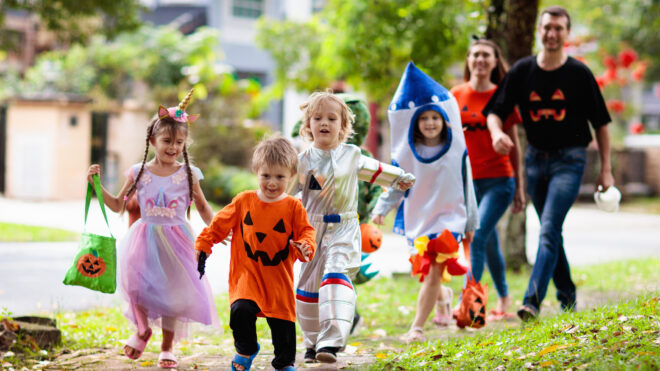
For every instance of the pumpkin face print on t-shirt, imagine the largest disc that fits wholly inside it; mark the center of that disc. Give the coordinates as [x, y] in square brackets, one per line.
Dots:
[552, 108]
[265, 238]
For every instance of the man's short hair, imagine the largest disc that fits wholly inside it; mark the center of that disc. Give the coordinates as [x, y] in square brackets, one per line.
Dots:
[558, 11]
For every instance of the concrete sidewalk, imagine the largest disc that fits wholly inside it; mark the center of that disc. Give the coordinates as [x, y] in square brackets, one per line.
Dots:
[31, 273]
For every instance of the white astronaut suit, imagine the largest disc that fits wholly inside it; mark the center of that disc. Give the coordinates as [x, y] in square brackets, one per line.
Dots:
[325, 297]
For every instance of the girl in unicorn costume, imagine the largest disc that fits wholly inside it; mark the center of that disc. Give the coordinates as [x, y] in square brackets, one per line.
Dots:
[440, 209]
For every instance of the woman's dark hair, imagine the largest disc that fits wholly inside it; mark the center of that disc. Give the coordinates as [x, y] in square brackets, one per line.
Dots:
[501, 67]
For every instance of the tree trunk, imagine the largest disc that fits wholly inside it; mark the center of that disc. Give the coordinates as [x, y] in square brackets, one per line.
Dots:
[511, 24]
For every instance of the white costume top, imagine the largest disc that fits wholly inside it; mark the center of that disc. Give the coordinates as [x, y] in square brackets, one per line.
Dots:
[443, 194]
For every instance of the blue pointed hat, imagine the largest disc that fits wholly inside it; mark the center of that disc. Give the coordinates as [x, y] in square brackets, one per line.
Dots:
[417, 88]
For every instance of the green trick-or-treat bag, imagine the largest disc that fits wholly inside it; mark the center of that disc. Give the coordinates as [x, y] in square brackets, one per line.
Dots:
[95, 265]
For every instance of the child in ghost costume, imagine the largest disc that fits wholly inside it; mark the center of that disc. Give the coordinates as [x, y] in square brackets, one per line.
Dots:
[440, 209]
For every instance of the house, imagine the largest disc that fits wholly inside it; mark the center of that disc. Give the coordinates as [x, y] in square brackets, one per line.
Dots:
[51, 139]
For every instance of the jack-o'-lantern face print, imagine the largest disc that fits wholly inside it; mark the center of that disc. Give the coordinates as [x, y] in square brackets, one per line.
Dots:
[91, 265]
[551, 108]
[254, 231]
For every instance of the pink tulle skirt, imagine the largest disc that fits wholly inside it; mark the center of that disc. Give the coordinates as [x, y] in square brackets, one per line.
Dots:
[159, 279]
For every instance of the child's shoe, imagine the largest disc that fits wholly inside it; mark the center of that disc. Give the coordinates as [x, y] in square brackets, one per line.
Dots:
[443, 311]
[327, 354]
[527, 313]
[310, 355]
[243, 362]
[416, 334]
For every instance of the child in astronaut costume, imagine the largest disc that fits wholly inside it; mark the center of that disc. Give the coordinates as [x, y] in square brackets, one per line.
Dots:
[440, 210]
[328, 174]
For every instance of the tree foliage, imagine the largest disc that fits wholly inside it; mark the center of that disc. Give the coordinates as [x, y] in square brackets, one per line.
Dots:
[368, 43]
[74, 20]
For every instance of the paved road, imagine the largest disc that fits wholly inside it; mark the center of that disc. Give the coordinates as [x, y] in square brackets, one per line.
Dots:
[31, 273]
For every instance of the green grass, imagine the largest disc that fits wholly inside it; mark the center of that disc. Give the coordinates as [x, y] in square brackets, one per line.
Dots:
[10, 232]
[387, 305]
[614, 337]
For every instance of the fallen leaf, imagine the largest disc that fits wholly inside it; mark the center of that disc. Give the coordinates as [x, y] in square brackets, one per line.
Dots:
[622, 318]
[485, 344]
[645, 354]
[381, 355]
[356, 344]
[549, 349]
[146, 364]
[110, 328]
[546, 363]
[571, 329]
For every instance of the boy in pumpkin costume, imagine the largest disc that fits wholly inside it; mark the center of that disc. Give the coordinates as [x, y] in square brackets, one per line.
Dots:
[270, 231]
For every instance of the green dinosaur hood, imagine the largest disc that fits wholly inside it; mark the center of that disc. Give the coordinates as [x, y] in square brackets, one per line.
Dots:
[361, 123]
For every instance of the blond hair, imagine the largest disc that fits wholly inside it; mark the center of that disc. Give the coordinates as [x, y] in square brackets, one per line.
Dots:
[275, 151]
[312, 105]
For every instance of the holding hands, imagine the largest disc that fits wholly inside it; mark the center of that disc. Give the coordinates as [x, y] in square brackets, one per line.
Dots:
[304, 248]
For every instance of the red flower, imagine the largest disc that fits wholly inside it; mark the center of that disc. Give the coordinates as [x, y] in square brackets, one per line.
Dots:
[627, 57]
[610, 62]
[616, 105]
[601, 81]
[639, 72]
[611, 74]
[636, 128]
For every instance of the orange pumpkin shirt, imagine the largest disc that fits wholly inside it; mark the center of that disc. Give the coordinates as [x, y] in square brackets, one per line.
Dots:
[261, 266]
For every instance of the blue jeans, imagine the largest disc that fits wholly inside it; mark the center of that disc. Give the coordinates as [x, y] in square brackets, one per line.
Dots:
[553, 183]
[494, 196]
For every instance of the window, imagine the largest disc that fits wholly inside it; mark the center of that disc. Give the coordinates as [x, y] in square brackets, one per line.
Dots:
[247, 8]
[317, 5]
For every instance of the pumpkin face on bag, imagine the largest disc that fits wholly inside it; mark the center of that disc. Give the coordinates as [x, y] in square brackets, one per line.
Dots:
[271, 227]
[472, 309]
[372, 238]
[91, 265]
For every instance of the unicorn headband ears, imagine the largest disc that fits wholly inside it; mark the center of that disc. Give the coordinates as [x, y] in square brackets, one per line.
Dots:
[179, 113]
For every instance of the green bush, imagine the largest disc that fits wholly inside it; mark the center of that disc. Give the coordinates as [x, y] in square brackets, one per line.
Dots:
[221, 183]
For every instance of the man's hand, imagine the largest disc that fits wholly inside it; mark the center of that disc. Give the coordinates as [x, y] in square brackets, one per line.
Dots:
[304, 248]
[605, 179]
[502, 143]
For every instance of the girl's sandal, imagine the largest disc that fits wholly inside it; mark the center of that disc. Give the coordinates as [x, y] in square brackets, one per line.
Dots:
[244, 362]
[444, 319]
[416, 334]
[136, 343]
[167, 360]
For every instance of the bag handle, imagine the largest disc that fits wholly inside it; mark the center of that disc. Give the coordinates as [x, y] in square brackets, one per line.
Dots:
[99, 196]
[466, 252]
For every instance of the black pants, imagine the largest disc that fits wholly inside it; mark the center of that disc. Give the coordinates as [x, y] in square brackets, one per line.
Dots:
[243, 321]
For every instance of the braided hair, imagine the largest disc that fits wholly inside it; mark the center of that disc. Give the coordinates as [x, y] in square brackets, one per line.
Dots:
[157, 126]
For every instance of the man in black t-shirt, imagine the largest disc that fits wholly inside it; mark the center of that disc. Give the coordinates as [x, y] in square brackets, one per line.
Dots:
[557, 97]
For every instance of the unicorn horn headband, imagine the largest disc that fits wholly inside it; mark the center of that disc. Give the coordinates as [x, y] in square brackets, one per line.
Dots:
[179, 113]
